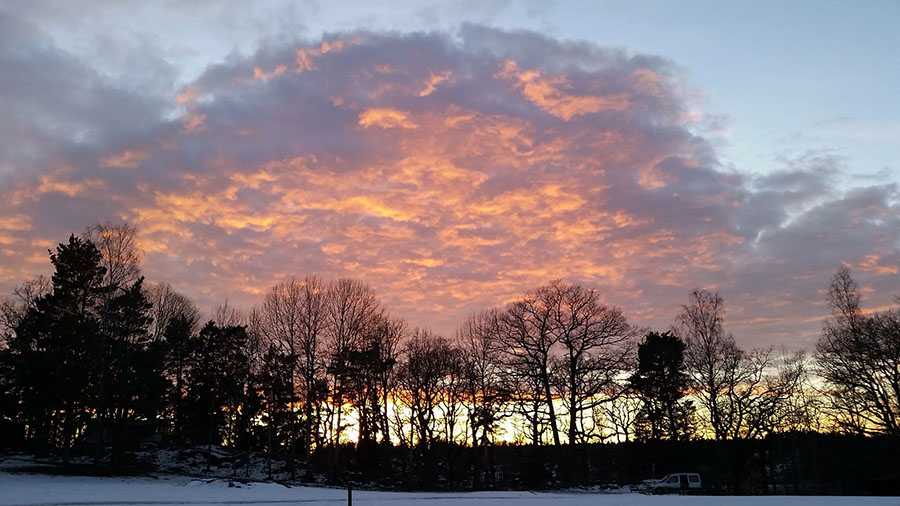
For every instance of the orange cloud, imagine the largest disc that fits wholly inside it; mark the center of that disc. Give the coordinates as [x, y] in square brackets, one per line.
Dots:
[306, 57]
[187, 96]
[16, 222]
[127, 159]
[451, 176]
[433, 81]
[259, 74]
[386, 118]
[194, 123]
[872, 263]
[49, 184]
[551, 93]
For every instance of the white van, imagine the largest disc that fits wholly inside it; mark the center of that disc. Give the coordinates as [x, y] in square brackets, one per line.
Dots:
[675, 482]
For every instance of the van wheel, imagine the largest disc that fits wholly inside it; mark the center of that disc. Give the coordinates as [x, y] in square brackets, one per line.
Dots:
[658, 491]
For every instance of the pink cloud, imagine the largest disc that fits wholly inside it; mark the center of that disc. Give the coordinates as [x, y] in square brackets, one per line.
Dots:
[452, 174]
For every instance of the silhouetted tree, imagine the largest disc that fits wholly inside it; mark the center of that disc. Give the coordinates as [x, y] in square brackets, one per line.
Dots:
[168, 305]
[370, 366]
[352, 310]
[120, 255]
[661, 382]
[9, 412]
[13, 309]
[226, 315]
[421, 376]
[478, 340]
[179, 348]
[389, 333]
[313, 307]
[711, 355]
[130, 373]
[12, 313]
[595, 342]
[278, 391]
[55, 345]
[744, 394]
[859, 356]
[528, 340]
[218, 377]
[281, 324]
[617, 419]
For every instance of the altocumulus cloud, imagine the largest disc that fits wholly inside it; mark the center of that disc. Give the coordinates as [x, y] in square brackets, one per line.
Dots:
[449, 171]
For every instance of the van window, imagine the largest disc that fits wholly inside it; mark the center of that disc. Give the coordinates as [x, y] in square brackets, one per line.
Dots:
[694, 478]
[673, 479]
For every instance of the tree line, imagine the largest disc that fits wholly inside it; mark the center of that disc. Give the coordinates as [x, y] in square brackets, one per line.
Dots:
[96, 360]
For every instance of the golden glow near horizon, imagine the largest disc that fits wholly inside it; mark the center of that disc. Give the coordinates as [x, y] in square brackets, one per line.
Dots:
[512, 427]
[451, 175]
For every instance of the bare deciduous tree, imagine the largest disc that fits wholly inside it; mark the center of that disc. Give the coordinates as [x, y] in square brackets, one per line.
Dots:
[122, 255]
[292, 319]
[740, 393]
[453, 391]
[167, 305]
[859, 357]
[528, 340]
[596, 342]
[279, 324]
[313, 305]
[711, 356]
[24, 297]
[226, 315]
[420, 379]
[384, 345]
[563, 340]
[370, 373]
[615, 420]
[479, 341]
[351, 311]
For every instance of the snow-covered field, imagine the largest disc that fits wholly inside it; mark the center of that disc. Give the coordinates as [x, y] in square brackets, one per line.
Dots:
[35, 489]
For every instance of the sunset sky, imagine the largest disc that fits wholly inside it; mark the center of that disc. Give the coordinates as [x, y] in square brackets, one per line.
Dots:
[454, 156]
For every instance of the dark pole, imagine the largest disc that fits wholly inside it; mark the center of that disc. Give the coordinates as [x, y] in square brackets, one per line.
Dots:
[349, 494]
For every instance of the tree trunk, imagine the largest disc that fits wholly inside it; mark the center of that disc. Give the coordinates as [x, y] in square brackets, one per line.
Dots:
[549, 393]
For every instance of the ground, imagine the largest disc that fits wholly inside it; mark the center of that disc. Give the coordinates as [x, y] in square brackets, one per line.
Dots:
[46, 490]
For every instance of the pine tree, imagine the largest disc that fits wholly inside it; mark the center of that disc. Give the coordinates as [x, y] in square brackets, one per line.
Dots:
[133, 374]
[54, 344]
[177, 346]
[219, 392]
[660, 381]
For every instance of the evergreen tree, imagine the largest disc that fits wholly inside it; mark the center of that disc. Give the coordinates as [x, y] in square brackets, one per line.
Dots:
[8, 407]
[133, 374]
[660, 381]
[274, 380]
[178, 348]
[81, 357]
[219, 386]
[53, 345]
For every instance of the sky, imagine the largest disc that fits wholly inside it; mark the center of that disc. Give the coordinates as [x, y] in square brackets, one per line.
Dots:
[455, 154]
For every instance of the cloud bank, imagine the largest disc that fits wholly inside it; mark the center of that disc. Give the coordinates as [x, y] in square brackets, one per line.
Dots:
[449, 171]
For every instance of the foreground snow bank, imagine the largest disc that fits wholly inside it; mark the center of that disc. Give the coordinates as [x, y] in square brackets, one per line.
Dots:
[36, 489]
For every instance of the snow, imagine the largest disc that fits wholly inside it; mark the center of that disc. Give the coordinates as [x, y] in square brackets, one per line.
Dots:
[45, 490]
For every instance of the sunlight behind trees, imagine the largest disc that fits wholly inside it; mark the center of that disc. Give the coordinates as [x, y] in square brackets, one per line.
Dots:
[93, 358]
